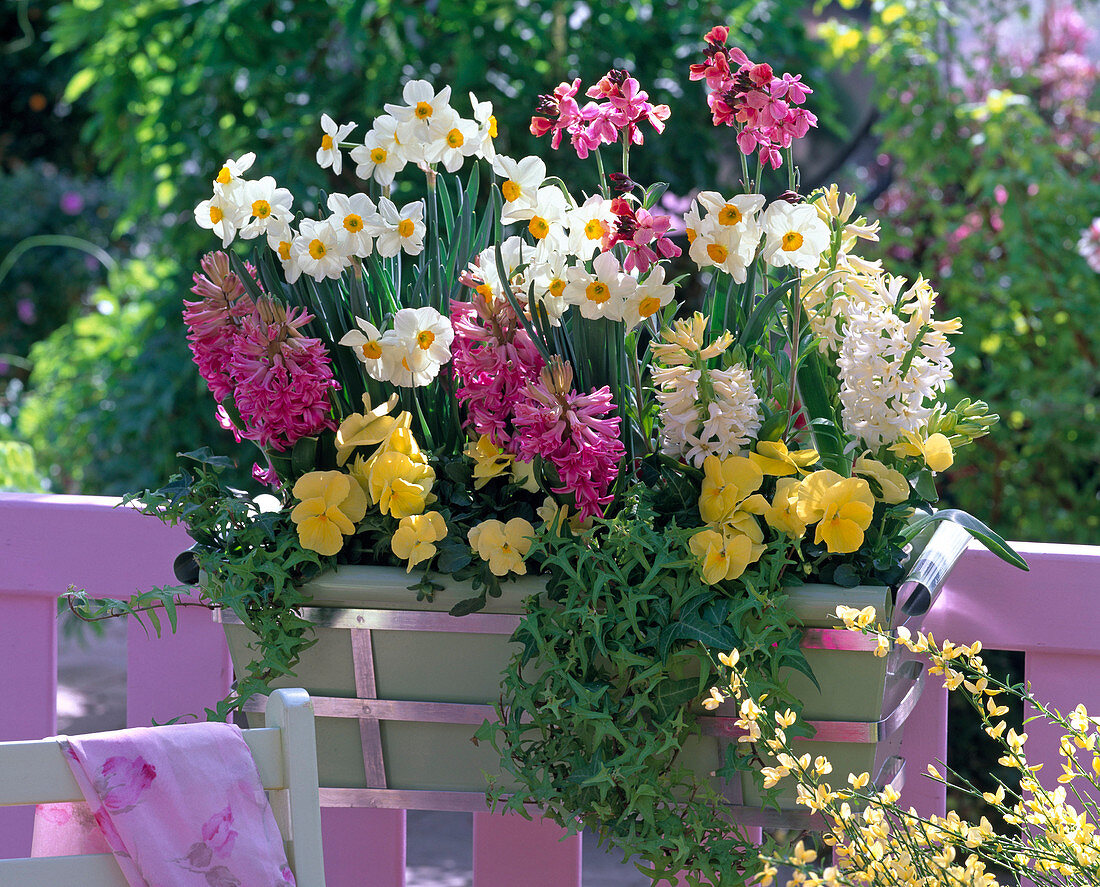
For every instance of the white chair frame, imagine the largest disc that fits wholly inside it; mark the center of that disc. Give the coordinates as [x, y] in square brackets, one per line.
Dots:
[285, 752]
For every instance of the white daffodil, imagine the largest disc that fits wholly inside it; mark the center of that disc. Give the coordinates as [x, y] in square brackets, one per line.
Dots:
[487, 127]
[650, 296]
[356, 221]
[796, 236]
[266, 205]
[522, 180]
[231, 175]
[548, 274]
[317, 249]
[514, 253]
[692, 219]
[221, 214]
[589, 225]
[450, 140]
[400, 230]
[380, 156]
[729, 248]
[333, 134]
[548, 216]
[421, 338]
[422, 105]
[728, 235]
[603, 292]
[368, 346]
[280, 237]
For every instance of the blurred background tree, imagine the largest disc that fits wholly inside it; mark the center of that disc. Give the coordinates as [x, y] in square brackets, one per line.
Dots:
[988, 170]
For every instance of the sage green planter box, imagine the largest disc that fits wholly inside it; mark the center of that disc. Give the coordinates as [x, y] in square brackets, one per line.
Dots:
[399, 688]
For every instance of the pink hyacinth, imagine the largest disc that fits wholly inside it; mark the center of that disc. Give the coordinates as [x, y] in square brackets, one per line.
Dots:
[493, 359]
[577, 433]
[213, 321]
[752, 98]
[281, 379]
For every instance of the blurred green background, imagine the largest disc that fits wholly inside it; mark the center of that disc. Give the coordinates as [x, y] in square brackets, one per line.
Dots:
[969, 129]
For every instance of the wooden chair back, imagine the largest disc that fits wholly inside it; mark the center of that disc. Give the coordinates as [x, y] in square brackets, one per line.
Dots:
[285, 752]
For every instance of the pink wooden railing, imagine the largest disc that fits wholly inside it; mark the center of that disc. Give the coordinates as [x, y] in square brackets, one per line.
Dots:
[48, 543]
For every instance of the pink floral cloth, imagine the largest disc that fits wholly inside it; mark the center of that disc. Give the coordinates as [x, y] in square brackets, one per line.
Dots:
[177, 805]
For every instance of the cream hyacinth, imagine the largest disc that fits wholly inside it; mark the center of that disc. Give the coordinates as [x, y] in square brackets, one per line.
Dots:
[894, 359]
[704, 411]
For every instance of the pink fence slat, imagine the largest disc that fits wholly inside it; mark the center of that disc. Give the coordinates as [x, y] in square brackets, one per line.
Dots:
[510, 850]
[28, 693]
[1007, 609]
[1060, 681]
[178, 674]
[924, 742]
[363, 847]
[48, 543]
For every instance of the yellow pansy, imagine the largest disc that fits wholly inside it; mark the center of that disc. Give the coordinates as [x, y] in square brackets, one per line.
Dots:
[895, 488]
[772, 457]
[400, 441]
[523, 474]
[504, 546]
[416, 535]
[370, 427]
[936, 450]
[782, 514]
[331, 504]
[398, 485]
[727, 483]
[489, 460]
[723, 556]
[841, 507]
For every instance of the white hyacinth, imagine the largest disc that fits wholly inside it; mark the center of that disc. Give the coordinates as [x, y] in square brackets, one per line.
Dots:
[697, 425]
[894, 359]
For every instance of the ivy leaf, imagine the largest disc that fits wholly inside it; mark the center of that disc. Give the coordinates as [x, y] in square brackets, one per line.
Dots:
[468, 606]
[205, 456]
[453, 556]
[671, 696]
[925, 485]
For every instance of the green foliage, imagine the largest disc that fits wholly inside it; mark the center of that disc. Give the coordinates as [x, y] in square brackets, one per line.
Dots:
[994, 179]
[52, 255]
[251, 563]
[17, 470]
[595, 707]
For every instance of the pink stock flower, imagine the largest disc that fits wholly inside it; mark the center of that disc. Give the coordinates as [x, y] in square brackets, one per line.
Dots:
[281, 379]
[644, 234]
[574, 433]
[493, 359]
[752, 98]
[212, 322]
[624, 106]
[558, 113]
